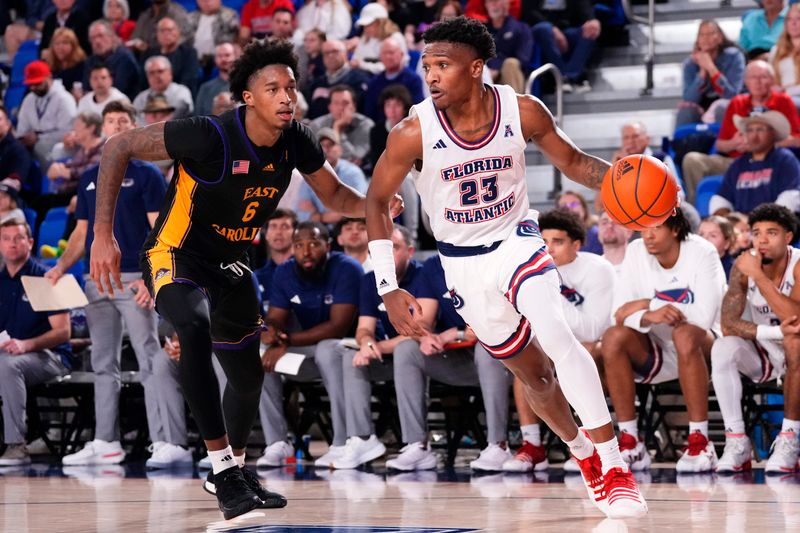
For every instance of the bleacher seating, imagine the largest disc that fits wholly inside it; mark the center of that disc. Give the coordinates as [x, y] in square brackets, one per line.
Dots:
[52, 228]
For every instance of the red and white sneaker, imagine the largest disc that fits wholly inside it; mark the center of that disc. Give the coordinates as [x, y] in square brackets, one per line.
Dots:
[592, 474]
[699, 455]
[528, 457]
[737, 456]
[622, 494]
[634, 452]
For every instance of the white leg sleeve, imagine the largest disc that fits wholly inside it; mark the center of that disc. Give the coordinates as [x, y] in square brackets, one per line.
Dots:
[731, 356]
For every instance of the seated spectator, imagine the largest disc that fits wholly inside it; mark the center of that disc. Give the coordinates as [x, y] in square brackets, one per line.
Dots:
[310, 207]
[763, 174]
[761, 28]
[576, 203]
[351, 235]
[309, 58]
[765, 346]
[713, 71]
[158, 109]
[666, 317]
[146, 33]
[424, 14]
[223, 102]
[719, 231]
[566, 33]
[182, 57]
[108, 50]
[158, 70]
[353, 127]
[26, 25]
[118, 14]
[759, 79]
[224, 56]
[742, 237]
[331, 16]
[282, 24]
[38, 349]
[66, 15]
[67, 60]
[395, 72]
[337, 71]
[9, 201]
[514, 44]
[46, 113]
[257, 18]
[212, 24]
[103, 91]
[319, 288]
[784, 55]
[635, 140]
[614, 238]
[476, 9]
[374, 19]
[395, 102]
[278, 239]
[15, 160]
[88, 138]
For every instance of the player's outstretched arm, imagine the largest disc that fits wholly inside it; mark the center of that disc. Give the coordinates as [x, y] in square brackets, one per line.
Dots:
[334, 194]
[142, 143]
[538, 125]
[733, 304]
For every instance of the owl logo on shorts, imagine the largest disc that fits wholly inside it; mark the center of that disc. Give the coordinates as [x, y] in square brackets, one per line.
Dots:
[458, 301]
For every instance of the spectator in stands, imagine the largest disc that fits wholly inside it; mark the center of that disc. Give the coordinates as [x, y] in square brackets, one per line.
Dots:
[224, 56]
[309, 58]
[103, 91]
[282, 24]
[424, 14]
[46, 113]
[614, 238]
[26, 26]
[310, 207]
[65, 15]
[351, 235]
[212, 24]
[15, 160]
[395, 102]
[257, 18]
[353, 127]
[278, 239]
[331, 16]
[713, 71]
[182, 56]
[765, 347]
[38, 348]
[476, 9]
[566, 32]
[761, 28]
[395, 72]
[514, 44]
[158, 70]
[374, 19]
[666, 316]
[784, 55]
[67, 60]
[742, 237]
[146, 33]
[118, 14]
[400, 14]
[9, 201]
[319, 288]
[636, 140]
[158, 109]
[719, 231]
[224, 102]
[575, 202]
[759, 79]
[337, 71]
[763, 174]
[143, 189]
[64, 176]
[108, 50]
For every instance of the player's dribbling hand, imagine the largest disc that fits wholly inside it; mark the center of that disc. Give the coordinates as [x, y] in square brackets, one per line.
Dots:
[398, 302]
[396, 206]
[104, 264]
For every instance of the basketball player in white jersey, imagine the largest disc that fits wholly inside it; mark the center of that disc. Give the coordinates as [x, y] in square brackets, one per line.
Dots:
[587, 287]
[765, 347]
[468, 142]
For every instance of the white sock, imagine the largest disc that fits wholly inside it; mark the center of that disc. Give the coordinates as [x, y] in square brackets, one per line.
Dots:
[702, 427]
[580, 446]
[532, 433]
[221, 459]
[735, 428]
[630, 427]
[239, 460]
[609, 455]
[790, 426]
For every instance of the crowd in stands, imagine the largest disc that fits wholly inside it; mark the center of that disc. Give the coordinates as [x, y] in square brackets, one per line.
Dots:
[660, 306]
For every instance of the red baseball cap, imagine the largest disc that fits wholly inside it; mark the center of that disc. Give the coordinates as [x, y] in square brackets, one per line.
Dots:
[36, 72]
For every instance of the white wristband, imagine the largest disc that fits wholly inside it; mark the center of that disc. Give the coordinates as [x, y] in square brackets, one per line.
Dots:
[383, 265]
[769, 333]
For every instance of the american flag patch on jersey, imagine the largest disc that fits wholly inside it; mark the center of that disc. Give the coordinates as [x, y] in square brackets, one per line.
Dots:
[240, 166]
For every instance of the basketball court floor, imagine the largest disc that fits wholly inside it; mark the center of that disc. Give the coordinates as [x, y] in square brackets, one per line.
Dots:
[44, 498]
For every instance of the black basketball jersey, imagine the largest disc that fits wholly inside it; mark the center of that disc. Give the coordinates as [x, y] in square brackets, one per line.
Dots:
[224, 188]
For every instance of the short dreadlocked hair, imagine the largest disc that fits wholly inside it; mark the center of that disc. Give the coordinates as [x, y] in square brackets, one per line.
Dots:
[462, 30]
[256, 56]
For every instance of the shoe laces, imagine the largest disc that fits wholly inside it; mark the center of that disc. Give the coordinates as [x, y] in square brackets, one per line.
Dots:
[232, 482]
[617, 478]
[785, 443]
[627, 441]
[696, 443]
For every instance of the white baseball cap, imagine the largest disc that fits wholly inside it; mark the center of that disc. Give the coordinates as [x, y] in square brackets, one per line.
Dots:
[370, 13]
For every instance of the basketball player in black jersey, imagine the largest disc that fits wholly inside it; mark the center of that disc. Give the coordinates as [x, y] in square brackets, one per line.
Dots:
[230, 173]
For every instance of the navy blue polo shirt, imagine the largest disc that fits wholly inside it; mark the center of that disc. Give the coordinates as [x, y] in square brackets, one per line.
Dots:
[311, 299]
[143, 189]
[18, 318]
[370, 304]
[264, 277]
[431, 284]
[748, 183]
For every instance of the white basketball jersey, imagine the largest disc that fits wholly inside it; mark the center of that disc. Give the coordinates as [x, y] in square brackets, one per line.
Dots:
[474, 193]
[760, 311]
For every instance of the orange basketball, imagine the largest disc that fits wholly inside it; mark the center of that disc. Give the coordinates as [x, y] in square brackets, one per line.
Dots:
[639, 192]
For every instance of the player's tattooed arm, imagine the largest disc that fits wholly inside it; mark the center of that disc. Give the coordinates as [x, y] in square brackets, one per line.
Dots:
[539, 126]
[733, 304]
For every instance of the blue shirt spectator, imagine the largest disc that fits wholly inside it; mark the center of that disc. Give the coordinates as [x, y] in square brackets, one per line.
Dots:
[757, 35]
[108, 51]
[749, 183]
[15, 160]
[406, 77]
[431, 284]
[371, 304]
[513, 39]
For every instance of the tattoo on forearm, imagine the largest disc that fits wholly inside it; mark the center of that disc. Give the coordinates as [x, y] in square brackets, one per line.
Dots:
[733, 305]
[592, 171]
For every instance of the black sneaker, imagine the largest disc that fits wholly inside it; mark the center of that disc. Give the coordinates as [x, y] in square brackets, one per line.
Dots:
[234, 495]
[270, 500]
